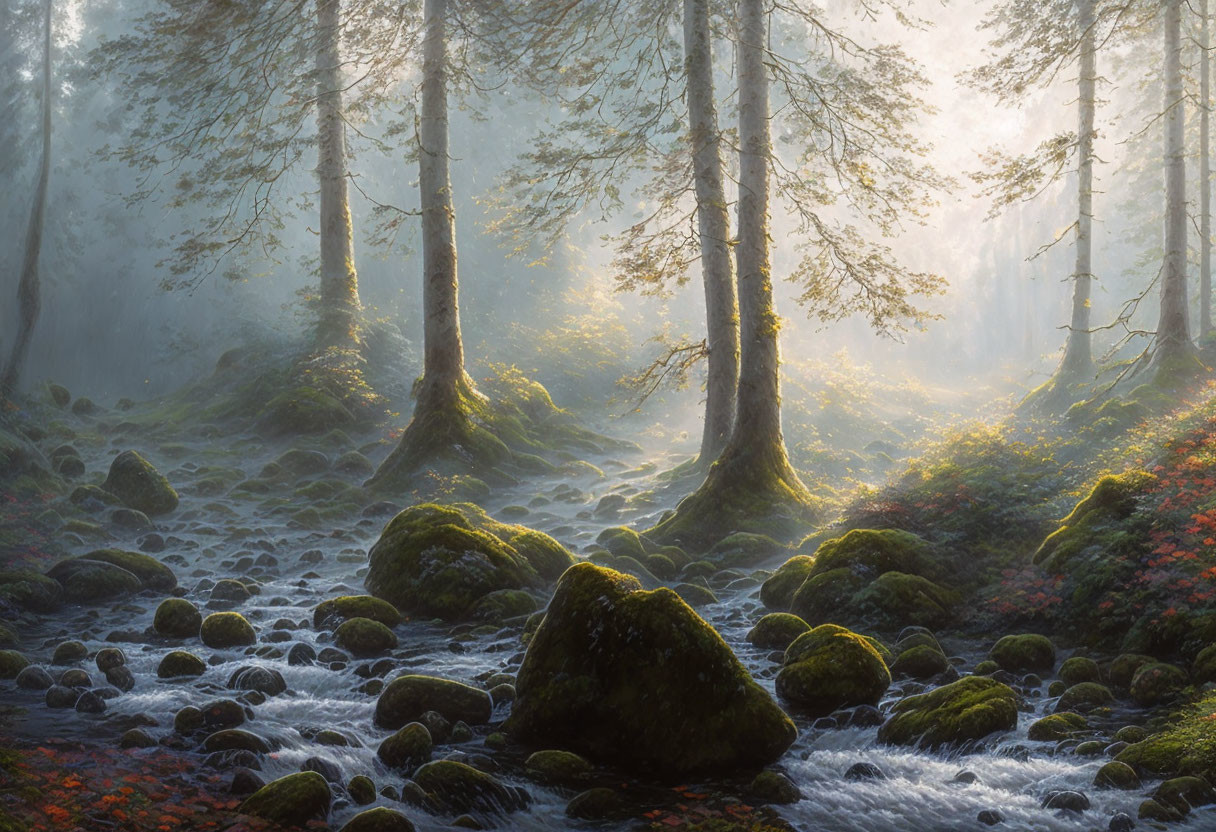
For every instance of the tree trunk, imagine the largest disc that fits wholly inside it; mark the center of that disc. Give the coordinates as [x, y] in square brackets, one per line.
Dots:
[1205, 175]
[717, 272]
[1173, 337]
[339, 315]
[1078, 352]
[29, 290]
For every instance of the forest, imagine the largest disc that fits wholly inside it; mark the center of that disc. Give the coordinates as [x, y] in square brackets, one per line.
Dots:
[701, 415]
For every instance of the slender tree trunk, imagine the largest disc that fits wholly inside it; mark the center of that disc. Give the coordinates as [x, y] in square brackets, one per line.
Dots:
[1205, 174]
[29, 289]
[443, 358]
[1078, 352]
[1173, 336]
[713, 221]
[339, 314]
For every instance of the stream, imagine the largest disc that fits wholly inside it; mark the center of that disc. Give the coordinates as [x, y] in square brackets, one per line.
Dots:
[919, 791]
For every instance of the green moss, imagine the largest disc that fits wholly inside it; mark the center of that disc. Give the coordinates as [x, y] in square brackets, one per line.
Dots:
[152, 574]
[777, 630]
[1028, 653]
[293, 800]
[336, 610]
[544, 554]
[408, 748]
[407, 698]
[456, 788]
[746, 549]
[624, 542]
[305, 410]
[222, 630]
[1123, 668]
[88, 581]
[959, 713]
[1117, 775]
[1112, 500]
[180, 663]
[28, 590]
[364, 637]
[922, 661]
[139, 485]
[379, 819]
[1156, 683]
[875, 551]
[897, 600]
[829, 668]
[558, 768]
[1079, 669]
[12, 663]
[1186, 746]
[637, 679]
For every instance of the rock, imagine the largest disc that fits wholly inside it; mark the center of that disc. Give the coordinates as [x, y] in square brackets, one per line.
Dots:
[1156, 683]
[87, 581]
[1078, 669]
[361, 790]
[29, 590]
[438, 561]
[1117, 775]
[380, 819]
[228, 592]
[955, 714]
[829, 668]
[558, 768]
[364, 637]
[1028, 653]
[1124, 667]
[265, 680]
[1152, 810]
[1203, 669]
[437, 724]
[129, 518]
[1185, 793]
[864, 771]
[1068, 801]
[75, 678]
[333, 612]
[1130, 734]
[502, 605]
[136, 738]
[407, 749]
[34, 678]
[919, 662]
[966, 778]
[777, 592]
[222, 714]
[12, 663]
[290, 801]
[139, 485]
[245, 781]
[301, 654]
[69, 652]
[774, 787]
[84, 406]
[1056, 727]
[326, 768]
[1085, 697]
[695, 595]
[180, 663]
[1121, 822]
[777, 630]
[408, 697]
[177, 618]
[235, 739]
[456, 788]
[637, 679]
[502, 693]
[595, 804]
[227, 629]
[990, 817]
[109, 658]
[90, 703]
[58, 696]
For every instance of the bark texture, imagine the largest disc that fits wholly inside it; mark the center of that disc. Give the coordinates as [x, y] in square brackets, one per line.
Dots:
[717, 269]
[29, 288]
[1205, 173]
[340, 307]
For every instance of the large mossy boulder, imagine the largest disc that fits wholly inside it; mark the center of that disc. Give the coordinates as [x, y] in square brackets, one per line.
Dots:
[30, 591]
[777, 630]
[139, 485]
[86, 581]
[152, 573]
[1027, 653]
[290, 801]
[439, 561]
[407, 698]
[336, 610]
[875, 552]
[637, 679]
[1157, 682]
[222, 630]
[777, 593]
[829, 668]
[177, 618]
[956, 714]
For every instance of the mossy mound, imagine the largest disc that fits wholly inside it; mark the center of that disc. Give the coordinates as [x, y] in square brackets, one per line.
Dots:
[439, 561]
[1185, 747]
[1028, 653]
[777, 630]
[637, 679]
[921, 661]
[180, 663]
[956, 714]
[1117, 775]
[746, 549]
[379, 819]
[558, 768]
[139, 485]
[293, 800]
[1079, 669]
[12, 663]
[177, 618]
[152, 574]
[875, 552]
[1112, 501]
[86, 581]
[407, 698]
[1085, 697]
[227, 629]
[829, 668]
[777, 592]
[408, 748]
[504, 604]
[336, 610]
[1056, 727]
[456, 788]
[1156, 683]
[30, 591]
[364, 637]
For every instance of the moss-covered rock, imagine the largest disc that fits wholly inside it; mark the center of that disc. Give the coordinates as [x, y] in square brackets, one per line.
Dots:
[959, 713]
[1156, 683]
[1185, 793]
[407, 698]
[544, 554]
[379, 819]
[1028, 653]
[1117, 775]
[1112, 500]
[293, 800]
[637, 679]
[919, 662]
[364, 637]
[1085, 697]
[558, 768]
[746, 549]
[1186, 746]
[777, 630]
[1124, 668]
[456, 788]
[695, 595]
[305, 410]
[503, 604]
[829, 668]
[227, 629]
[896, 599]
[139, 485]
[86, 581]
[1203, 669]
[1079, 669]
[152, 574]
[30, 591]
[407, 749]
[12, 663]
[1056, 727]
[177, 618]
[440, 560]
[180, 663]
[235, 739]
[875, 552]
[361, 789]
[777, 592]
[333, 612]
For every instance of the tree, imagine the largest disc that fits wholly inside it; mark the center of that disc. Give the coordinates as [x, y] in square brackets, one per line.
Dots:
[1205, 173]
[29, 298]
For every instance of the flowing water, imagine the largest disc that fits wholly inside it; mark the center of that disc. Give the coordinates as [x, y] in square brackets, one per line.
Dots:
[207, 535]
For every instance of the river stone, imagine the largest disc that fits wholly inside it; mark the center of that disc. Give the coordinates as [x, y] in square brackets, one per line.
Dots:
[407, 698]
[235, 739]
[129, 518]
[229, 591]
[1185, 793]
[958, 713]
[136, 738]
[1156, 683]
[637, 679]
[1117, 775]
[364, 637]
[407, 749]
[152, 574]
[1079, 669]
[1085, 697]
[1056, 727]
[88, 581]
[558, 768]
[245, 781]
[264, 680]
[177, 618]
[90, 703]
[336, 610]
[379, 819]
[75, 678]
[324, 767]
[438, 725]
[139, 485]
[34, 678]
[30, 591]
[12, 663]
[293, 800]
[58, 696]
[69, 652]
[1066, 800]
[774, 787]
[301, 654]
[456, 788]
[1029, 653]
[108, 658]
[829, 668]
[361, 790]
[227, 629]
[777, 630]
[921, 661]
[221, 714]
[180, 663]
